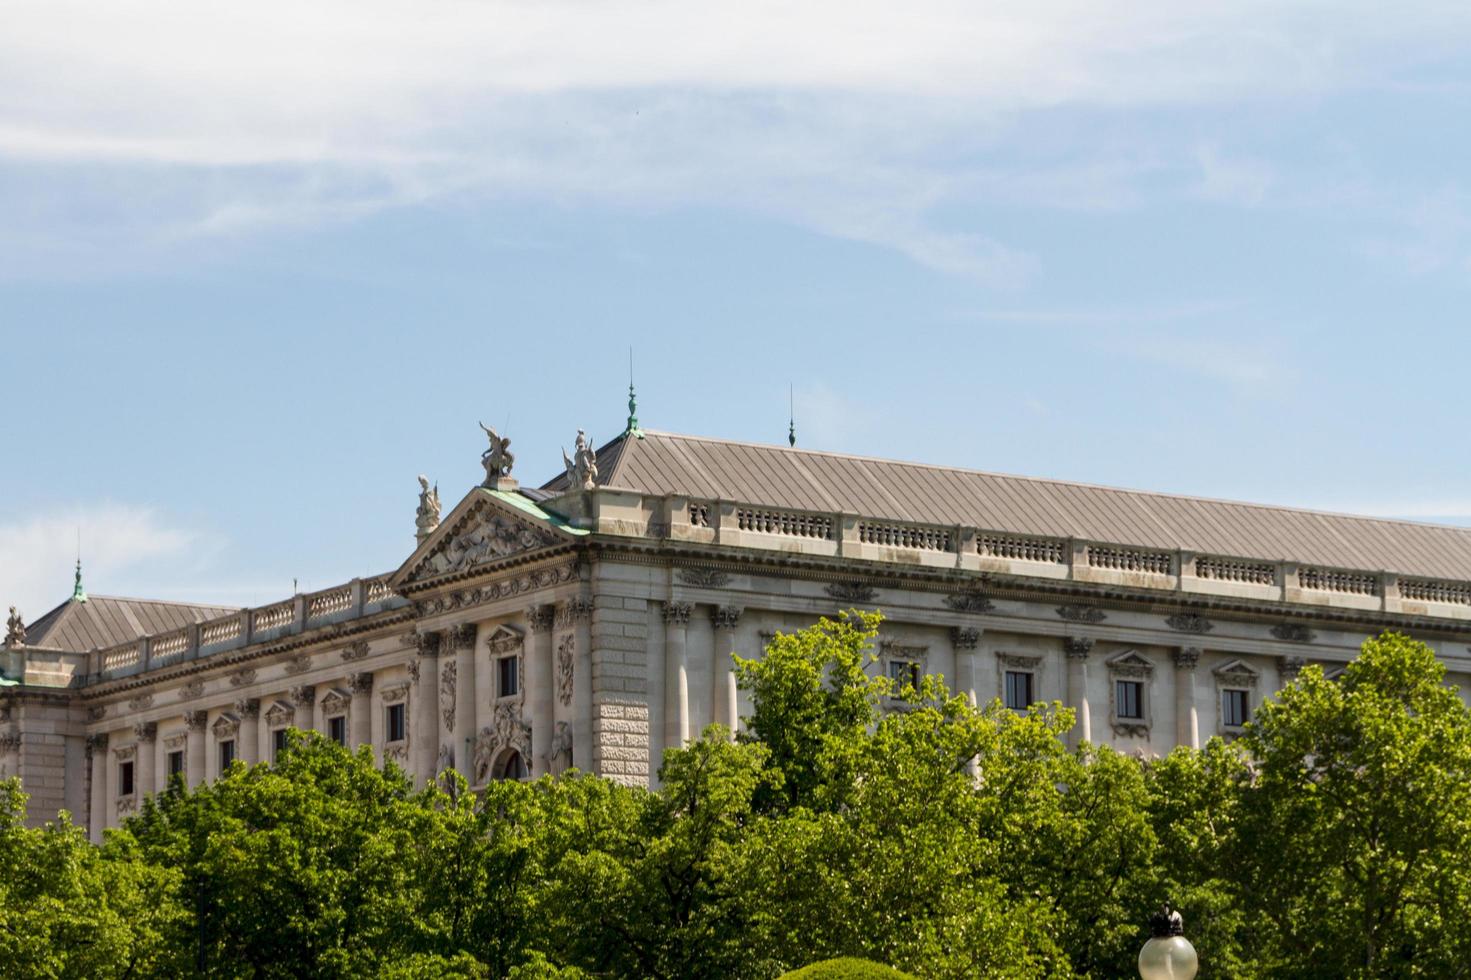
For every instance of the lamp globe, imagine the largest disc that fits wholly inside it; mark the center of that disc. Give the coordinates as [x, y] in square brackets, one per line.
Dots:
[1168, 955]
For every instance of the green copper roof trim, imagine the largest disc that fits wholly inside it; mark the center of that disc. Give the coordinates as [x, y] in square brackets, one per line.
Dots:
[530, 508]
[79, 594]
[633, 428]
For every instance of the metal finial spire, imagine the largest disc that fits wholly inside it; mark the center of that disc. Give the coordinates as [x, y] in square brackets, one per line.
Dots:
[79, 594]
[633, 428]
[791, 417]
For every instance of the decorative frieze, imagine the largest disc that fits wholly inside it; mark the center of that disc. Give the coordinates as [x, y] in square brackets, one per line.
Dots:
[969, 602]
[533, 580]
[1293, 633]
[704, 578]
[175, 742]
[487, 536]
[125, 753]
[851, 591]
[965, 638]
[1189, 623]
[393, 693]
[677, 613]
[354, 651]
[1018, 661]
[93, 714]
[1081, 614]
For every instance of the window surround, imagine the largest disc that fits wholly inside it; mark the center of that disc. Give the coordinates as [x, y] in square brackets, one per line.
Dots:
[1133, 667]
[1019, 663]
[1235, 675]
[335, 706]
[395, 696]
[907, 657]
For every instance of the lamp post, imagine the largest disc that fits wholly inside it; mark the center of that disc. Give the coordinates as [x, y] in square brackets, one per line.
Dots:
[1168, 955]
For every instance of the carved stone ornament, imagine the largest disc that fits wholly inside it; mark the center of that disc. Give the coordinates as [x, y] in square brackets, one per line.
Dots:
[566, 653]
[851, 591]
[336, 702]
[127, 804]
[970, 602]
[1187, 657]
[140, 703]
[9, 743]
[574, 610]
[1077, 647]
[725, 617]
[447, 672]
[1189, 623]
[484, 536]
[1292, 666]
[299, 664]
[226, 726]
[145, 732]
[248, 707]
[462, 637]
[360, 683]
[97, 743]
[242, 677]
[280, 714]
[1236, 673]
[677, 613]
[413, 668]
[705, 578]
[426, 516]
[97, 713]
[303, 695]
[965, 637]
[582, 465]
[530, 581]
[356, 650]
[539, 619]
[194, 720]
[428, 644]
[504, 639]
[393, 693]
[1082, 614]
[176, 741]
[191, 690]
[497, 459]
[15, 629]
[559, 753]
[397, 752]
[1132, 664]
[1131, 729]
[1293, 633]
[1019, 661]
[898, 650]
[506, 731]
[125, 753]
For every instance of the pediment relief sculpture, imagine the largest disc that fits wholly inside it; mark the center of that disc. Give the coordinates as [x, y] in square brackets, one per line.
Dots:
[226, 726]
[504, 639]
[336, 701]
[487, 536]
[280, 714]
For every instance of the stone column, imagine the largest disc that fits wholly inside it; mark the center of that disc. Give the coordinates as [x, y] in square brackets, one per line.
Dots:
[360, 720]
[145, 780]
[580, 609]
[304, 697]
[1287, 670]
[723, 697]
[1078, 648]
[247, 746]
[194, 753]
[97, 757]
[462, 638]
[1187, 717]
[426, 708]
[965, 639]
[541, 687]
[677, 668]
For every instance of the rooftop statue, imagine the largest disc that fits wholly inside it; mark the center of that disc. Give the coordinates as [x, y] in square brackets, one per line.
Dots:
[582, 467]
[497, 460]
[15, 630]
[426, 519]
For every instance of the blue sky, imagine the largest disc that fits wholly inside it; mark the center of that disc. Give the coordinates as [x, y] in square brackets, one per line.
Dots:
[260, 267]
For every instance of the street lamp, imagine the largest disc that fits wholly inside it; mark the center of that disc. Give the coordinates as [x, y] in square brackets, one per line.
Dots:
[1168, 955]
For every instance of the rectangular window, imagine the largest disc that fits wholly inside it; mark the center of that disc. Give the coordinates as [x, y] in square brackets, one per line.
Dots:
[278, 743]
[125, 779]
[176, 764]
[1129, 699]
[904, 673]
[227, 754]
[396, 729]
[1235, 711]
[506, 680]
[1018, 689]
[337, 729]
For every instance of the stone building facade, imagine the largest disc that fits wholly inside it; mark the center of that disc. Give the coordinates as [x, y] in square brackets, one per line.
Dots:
[591, 622]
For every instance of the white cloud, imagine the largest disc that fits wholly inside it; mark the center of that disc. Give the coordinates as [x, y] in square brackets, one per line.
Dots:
[858, 119]
[37, 553]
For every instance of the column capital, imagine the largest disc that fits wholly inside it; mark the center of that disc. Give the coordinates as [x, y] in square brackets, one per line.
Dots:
[462, 637]
[303, 695]
[677, 613]
[541, 618]
[428, 643]
[1187, 657]
[97, 742]
[194, 720]
[360, 683]
[965, 637]
[146, 731]
[725, 617]
[574, 610]
[248, 707]
[1078, 647]
[1291, 667]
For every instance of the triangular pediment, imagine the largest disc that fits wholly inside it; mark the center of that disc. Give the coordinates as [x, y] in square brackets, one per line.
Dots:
[486, 527]
[1130, 662]
[1237, 672]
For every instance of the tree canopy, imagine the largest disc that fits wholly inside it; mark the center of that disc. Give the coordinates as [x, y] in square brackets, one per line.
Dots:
[848, 819]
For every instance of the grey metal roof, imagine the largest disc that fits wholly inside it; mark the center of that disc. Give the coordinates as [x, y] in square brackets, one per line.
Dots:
[103, 621]
[800, 479]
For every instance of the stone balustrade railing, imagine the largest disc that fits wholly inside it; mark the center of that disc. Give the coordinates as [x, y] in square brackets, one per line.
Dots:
[238, 629]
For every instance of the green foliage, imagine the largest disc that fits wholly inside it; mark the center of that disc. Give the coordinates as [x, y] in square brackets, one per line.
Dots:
[850, 820]
[846, 968]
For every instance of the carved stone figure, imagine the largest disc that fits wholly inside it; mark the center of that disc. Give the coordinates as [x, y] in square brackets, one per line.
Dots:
[559, 753]
[447, 672]
[497, 460]
[488, 539]
[566, 651]
[582, 466]
[426, 518]
[15, 629]
[506, 731]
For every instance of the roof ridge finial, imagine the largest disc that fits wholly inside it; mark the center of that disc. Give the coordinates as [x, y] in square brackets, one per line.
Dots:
[79, 594]
[791, 416]
[633, 429]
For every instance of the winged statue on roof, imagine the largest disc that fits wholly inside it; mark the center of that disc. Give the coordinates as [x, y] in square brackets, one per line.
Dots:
[582, 465]
[497, 459]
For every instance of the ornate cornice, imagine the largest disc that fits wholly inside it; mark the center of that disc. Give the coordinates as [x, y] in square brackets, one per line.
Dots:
[504, 588]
